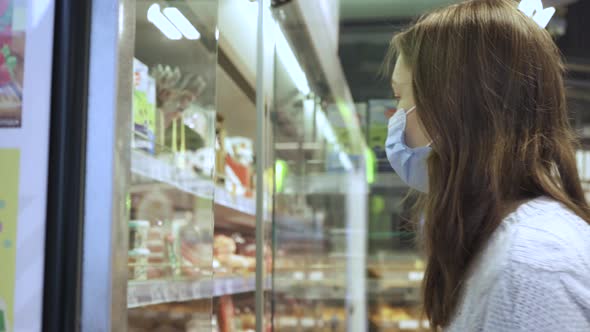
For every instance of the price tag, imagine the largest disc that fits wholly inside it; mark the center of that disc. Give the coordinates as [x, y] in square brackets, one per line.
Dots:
[288, 321]
[195, 289]
[409, 324]
[218, 287]
[298, 275]
[156, 293]
[176, 291]
[131, 296]
[170, 292]
[227, 286]
[205, 289]
[143, 294]
[316, 275]
[307, 322]
[416, 276]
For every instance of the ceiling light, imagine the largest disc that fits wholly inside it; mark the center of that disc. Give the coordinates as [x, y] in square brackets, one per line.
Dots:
[155, 16]
[182, 23]
[290, 62]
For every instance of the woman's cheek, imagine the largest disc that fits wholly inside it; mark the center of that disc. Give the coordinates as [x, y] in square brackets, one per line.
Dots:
[415, 136]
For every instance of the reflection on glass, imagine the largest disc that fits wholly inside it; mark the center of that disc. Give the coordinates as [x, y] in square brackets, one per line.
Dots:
[319, 177]
[170, 201]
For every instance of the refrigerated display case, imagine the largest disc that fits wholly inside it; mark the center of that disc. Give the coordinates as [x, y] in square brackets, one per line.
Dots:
[320, 201]
[185, 209]
[235, 199]
[395, 266]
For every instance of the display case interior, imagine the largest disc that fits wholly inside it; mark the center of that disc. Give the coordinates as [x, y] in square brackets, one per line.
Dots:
[172, 196]
[319, 174]
[192, 202]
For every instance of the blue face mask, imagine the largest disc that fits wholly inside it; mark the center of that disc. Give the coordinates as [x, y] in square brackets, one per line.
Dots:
[409, 163]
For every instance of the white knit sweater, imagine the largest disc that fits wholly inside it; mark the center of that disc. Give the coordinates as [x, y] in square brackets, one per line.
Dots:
[534, 275]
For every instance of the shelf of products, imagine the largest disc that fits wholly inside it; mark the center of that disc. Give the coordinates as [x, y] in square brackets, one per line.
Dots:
[395, 279]
[144, 293]
[163, 171]
[395, 269]
[395, 320]
[192, 203]
[323, 319]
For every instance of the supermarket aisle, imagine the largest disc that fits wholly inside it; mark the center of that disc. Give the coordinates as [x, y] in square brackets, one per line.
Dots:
[395, 267]
[232, 170]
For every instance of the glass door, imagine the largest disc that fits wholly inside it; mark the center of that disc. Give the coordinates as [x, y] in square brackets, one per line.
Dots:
[236, 178]
[172, 186]
[319, 205]
[149, 239]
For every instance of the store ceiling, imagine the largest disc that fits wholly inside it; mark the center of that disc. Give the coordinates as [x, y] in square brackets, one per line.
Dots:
[366, 29]
[359, 10]
[386, 9]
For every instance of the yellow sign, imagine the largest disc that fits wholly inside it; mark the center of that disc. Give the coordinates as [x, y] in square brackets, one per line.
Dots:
[9, 175]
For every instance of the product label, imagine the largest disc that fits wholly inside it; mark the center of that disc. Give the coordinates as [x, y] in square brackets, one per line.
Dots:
[144, 107]
[9, 175]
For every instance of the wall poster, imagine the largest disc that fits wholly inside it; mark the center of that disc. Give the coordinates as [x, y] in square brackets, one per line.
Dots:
[9, 174]
[12, 54]
[25, 99]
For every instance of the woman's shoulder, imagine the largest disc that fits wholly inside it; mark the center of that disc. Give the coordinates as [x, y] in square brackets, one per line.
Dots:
[547, 236]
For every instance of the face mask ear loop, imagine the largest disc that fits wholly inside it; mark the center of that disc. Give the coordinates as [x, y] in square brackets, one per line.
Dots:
[410, 110]
[408, 113]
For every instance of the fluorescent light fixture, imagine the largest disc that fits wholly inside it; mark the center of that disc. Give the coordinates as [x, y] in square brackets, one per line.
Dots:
[345, 161]
[325, 127]
[290, 62]
[155, 16]
[534, 9]
[216, 34]
[180, 21]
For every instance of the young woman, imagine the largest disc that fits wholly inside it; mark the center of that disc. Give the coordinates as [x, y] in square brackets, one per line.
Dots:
[483, 130]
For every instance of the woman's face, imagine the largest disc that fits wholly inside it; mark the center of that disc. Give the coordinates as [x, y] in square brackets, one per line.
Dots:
[401, 83]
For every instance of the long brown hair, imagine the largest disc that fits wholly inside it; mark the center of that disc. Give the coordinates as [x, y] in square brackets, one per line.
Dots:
[489, 91]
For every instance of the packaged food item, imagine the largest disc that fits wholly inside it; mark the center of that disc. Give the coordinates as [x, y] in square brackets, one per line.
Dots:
[138, 234]
[248, 319]
[172, 255]
[138, 263]
[220, 152]
[240, 263]
[144, 108]
[199, 322]
[223, 245]
[202, 161]
[238, 326]
[226, 314]
[159, 260]
[191, 247]
[214, 325]
[239, 163]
